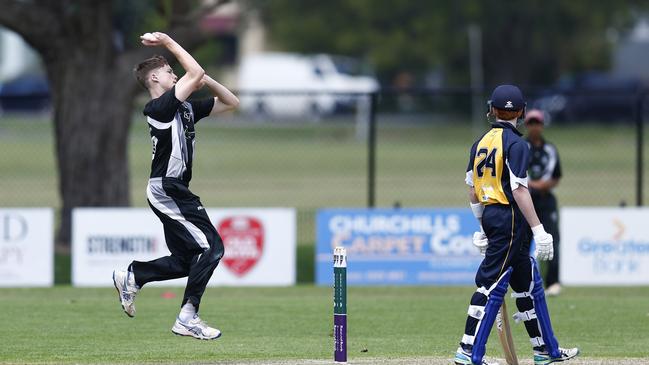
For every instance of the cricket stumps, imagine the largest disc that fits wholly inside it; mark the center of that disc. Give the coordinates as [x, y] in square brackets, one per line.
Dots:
[340, 305]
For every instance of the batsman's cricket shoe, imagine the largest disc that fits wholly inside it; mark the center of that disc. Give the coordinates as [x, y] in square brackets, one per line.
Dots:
[196, 328]
[464, 358]
[543, 358]
[126, 289]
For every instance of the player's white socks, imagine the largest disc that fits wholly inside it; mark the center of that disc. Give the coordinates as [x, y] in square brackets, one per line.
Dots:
[187, 312]
[130, 280]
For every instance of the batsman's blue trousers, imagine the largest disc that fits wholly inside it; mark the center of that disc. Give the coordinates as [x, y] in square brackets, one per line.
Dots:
[509, 246]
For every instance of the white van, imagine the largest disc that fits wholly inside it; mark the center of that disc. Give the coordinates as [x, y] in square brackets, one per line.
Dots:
[17, 58]
[285, 84]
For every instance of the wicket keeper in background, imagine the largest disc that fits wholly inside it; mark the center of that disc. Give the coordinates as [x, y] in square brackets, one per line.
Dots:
[544, 174]
[195, 245]
[500, 200]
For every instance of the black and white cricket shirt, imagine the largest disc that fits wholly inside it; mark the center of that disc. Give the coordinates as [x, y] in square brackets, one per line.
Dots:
[171, 124]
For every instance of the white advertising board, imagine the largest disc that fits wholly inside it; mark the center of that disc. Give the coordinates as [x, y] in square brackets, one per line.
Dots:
[260, 245]
[26, 247]
[604, 246]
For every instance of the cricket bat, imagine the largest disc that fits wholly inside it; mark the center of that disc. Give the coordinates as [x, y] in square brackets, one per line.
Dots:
[505, 335]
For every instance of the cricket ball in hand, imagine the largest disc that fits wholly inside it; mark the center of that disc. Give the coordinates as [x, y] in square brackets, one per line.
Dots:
[149, 37]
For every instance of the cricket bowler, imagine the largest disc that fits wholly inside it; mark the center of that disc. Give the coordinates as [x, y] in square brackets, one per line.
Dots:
[195, 245]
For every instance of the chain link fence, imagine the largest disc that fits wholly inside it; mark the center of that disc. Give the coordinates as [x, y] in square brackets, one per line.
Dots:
[310, 151]
[424, 139]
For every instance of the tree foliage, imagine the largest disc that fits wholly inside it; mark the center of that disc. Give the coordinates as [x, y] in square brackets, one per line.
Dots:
[529, 42]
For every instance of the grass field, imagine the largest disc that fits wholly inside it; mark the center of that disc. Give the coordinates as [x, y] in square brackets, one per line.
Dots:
[68, 325]
[309, 166]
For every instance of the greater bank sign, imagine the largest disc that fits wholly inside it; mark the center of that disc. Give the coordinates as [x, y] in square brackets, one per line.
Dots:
[604, 246]
[398, 246]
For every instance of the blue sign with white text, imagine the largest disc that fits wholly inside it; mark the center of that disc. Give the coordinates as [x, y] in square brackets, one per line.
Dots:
[398, 246]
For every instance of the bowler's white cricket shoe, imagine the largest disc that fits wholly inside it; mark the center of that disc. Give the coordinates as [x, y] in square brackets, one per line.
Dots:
[126, 289]
[196, 328]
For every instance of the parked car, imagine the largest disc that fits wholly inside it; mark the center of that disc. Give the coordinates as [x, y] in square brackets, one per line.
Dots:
[25, 93]
[591, 97]
[285, 84]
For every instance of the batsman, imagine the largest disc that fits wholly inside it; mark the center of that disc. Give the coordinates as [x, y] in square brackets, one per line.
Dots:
[500, 200]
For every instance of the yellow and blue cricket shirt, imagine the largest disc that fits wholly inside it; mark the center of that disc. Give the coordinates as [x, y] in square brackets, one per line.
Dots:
[498, 164]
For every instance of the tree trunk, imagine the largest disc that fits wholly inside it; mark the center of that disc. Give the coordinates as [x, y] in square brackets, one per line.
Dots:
[93, 91]
[91, 141]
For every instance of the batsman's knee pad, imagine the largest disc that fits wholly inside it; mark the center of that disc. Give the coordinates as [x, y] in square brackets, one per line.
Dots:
[495, 296]
[475, 312]
[538, 312]
[525, 307]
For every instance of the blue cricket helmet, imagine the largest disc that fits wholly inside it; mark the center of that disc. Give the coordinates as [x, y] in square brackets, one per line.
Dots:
[507, 97]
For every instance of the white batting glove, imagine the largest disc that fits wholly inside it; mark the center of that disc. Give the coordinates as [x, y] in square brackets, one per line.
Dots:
[543, 240]
[480, 241]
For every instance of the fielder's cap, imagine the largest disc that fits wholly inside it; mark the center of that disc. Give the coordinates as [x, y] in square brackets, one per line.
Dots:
[534, 115]
[507, 97]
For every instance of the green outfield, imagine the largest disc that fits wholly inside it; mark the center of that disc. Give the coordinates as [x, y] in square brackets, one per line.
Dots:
[68, 325]
[309, 166]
